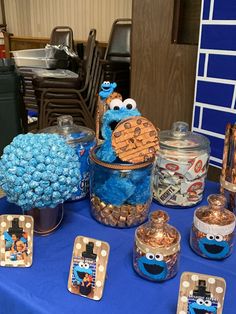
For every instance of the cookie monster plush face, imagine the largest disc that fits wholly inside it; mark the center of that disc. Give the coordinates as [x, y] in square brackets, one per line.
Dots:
[202, 307]
[214, 246]
[106, 89]
[80, 270]
[153, 266]
[118, 111]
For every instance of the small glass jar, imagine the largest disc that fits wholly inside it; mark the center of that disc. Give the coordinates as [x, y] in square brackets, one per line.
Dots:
[82, 139]
[120, 194]
[157, 248]
[181, 167]
[212, 234]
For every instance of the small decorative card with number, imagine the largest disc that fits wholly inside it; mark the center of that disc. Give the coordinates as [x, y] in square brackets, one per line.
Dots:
[88, 267]
[199, 293]
[16, 240]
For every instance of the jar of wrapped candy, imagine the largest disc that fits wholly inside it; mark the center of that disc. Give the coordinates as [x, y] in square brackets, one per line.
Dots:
[157, 248]
[181, 167]
[212, 234]
[82, 139]
[120, 193]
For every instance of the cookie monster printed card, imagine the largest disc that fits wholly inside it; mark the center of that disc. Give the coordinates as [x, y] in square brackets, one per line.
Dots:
[88, 267]
[201, 294]
[16, 240]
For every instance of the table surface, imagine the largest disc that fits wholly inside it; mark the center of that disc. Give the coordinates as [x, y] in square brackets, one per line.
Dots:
[42, 288]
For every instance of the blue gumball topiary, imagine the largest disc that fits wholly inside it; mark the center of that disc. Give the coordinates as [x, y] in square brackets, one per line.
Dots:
[39, 170]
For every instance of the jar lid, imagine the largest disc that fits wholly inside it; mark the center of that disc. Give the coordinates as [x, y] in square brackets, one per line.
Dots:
[214, 218]
[179, 137]
[73, 133]
[157, 235]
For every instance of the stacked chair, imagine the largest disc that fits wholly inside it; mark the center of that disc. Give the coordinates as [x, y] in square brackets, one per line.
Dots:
[60, 35]
[116, 62]
[74, 96]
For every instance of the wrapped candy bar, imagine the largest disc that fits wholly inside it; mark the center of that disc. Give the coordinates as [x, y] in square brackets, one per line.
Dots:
[181, 167]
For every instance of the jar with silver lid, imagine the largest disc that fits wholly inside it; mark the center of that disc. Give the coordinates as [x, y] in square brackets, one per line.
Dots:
[181, 167]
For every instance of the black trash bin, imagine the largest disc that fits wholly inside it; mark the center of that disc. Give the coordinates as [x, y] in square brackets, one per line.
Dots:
[12, 113]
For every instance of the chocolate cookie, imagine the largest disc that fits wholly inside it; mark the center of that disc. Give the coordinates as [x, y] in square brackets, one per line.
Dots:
[135, 140]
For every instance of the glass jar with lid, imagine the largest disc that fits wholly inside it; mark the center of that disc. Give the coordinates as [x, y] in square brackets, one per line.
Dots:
[157, 248]
[212, 234]
[82, 139]
[181, 167]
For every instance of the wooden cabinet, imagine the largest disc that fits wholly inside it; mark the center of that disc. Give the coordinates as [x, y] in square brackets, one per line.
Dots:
[162, 72]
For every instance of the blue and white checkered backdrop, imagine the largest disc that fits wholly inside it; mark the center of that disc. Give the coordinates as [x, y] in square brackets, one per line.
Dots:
[215, 88]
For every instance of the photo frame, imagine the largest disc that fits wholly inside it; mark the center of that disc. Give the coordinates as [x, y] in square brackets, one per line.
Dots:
[88, 267]
[16, 240]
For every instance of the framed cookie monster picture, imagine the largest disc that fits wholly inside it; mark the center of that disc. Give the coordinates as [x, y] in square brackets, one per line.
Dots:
[88, 267]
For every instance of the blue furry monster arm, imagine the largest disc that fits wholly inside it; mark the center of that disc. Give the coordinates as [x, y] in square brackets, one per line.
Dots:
[106, 152]
[115, 190]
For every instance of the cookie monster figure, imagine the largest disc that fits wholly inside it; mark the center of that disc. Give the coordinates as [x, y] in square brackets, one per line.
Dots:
[107, 88]
[202, 307]
[118, 111]
[132, 187]
[214, 247]
[153, 266]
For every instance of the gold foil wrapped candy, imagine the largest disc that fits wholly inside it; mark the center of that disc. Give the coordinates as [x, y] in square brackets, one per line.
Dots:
[157, 248]
[212, 233]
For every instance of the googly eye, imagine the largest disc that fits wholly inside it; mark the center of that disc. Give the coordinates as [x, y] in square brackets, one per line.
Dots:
[150, 256]
[86, 265]
[130, 103]
[200, 301]
[81, 264]
[208, 303]
[116, 104]
[106, 82]
[159, 257]
[210, 237]
[219, 238]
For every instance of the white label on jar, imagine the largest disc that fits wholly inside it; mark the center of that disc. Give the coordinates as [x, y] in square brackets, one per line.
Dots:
[213, 229]
[168, 193]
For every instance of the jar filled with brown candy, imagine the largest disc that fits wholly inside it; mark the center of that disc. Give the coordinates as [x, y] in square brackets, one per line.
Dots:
[181, 167]
[212, 234]
[120, 193]
[157, 248]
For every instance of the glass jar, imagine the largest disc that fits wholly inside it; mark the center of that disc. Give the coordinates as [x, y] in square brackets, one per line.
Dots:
[157, 248]
[212, 233]
[120, 194]
[82, 139]
[181, 167]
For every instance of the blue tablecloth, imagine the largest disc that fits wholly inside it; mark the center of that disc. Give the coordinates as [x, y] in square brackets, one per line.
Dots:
[42, 288]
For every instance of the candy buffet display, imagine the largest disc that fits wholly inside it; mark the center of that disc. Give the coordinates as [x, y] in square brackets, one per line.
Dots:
[82, 139]
[39, 170]
[181, 167]
[212, 234]
[228, 174]
[157, 248]
[121, 167]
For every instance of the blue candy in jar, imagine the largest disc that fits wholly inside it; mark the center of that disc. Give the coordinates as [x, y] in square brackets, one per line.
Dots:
[83, 140]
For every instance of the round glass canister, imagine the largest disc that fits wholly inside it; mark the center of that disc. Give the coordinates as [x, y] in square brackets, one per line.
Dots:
[181, 167]
[82, 139]
[212, 234]
[157, 248]
[120, 194]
